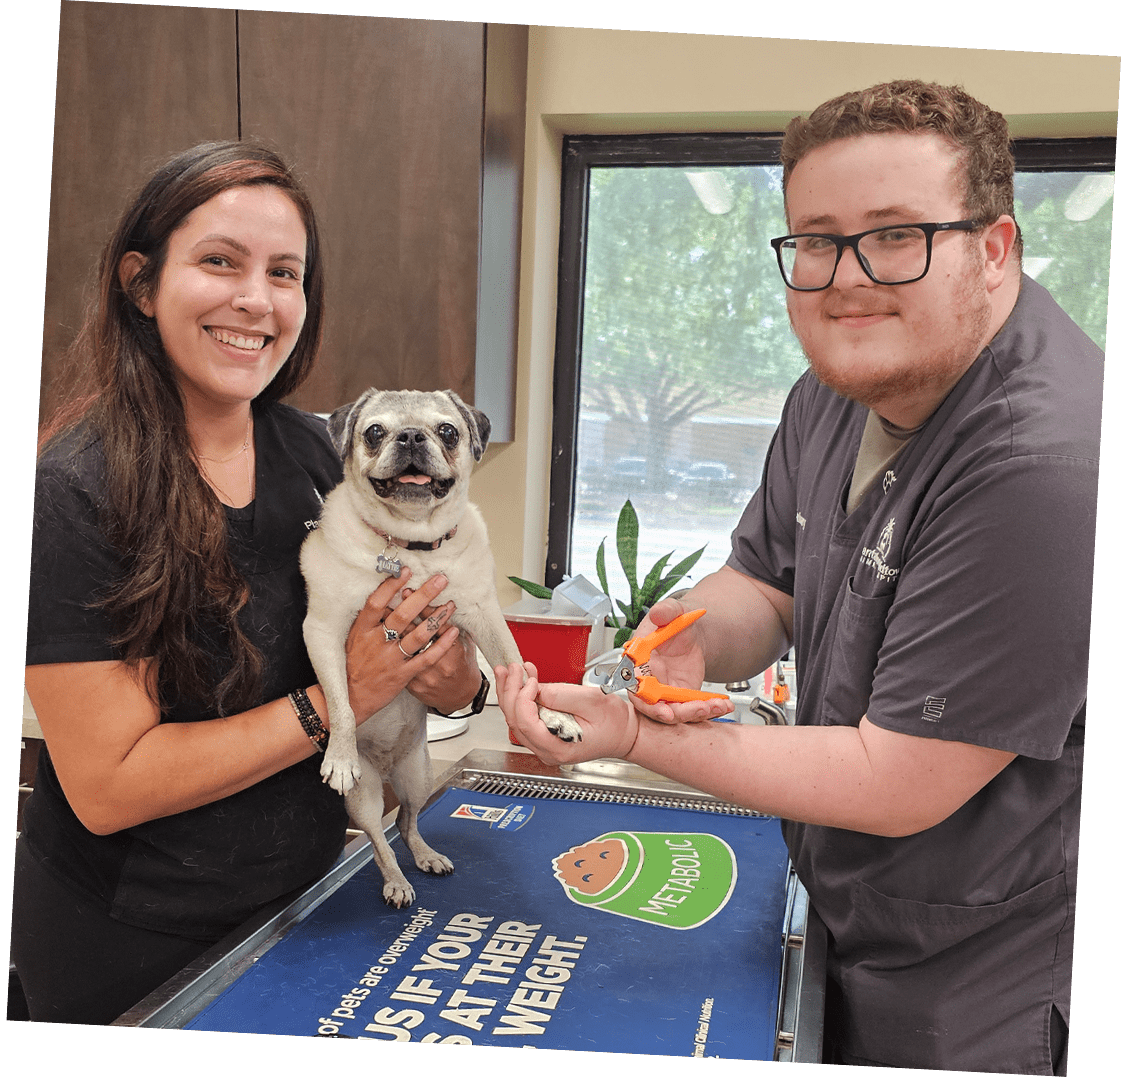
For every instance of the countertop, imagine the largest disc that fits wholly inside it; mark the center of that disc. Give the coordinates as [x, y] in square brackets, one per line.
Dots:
[488, 730]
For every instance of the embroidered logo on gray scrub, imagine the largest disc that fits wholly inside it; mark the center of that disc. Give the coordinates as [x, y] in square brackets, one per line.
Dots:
[884, 545]
[933, 709]
[876, 558]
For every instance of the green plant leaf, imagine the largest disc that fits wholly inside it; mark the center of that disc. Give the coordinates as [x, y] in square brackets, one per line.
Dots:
[656, 583]
[646, 595]
[676, 574]
[534, 589]
[685, 565]
[628, 530]
[599, 565]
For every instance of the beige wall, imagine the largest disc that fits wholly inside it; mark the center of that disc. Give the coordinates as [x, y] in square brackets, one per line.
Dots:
[582, 81]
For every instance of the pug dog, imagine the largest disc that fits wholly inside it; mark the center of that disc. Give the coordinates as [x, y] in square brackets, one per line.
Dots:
[404, 498]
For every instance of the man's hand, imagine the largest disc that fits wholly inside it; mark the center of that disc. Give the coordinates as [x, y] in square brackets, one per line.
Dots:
[748, 625]
[679, 662]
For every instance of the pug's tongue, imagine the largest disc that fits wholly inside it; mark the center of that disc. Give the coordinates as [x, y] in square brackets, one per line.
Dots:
[414, 479]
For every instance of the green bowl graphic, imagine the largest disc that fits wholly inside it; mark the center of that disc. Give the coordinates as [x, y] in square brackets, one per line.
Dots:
[677, 881]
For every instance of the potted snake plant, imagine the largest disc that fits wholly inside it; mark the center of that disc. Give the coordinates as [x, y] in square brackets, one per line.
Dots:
[644, 592]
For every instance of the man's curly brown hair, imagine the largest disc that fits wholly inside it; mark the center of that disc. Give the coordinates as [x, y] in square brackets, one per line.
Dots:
[978, 135]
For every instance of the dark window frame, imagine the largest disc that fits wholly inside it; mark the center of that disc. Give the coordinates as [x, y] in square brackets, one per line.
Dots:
[582, 152]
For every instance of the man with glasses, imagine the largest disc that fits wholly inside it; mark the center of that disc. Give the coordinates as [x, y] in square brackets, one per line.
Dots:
[923, 538]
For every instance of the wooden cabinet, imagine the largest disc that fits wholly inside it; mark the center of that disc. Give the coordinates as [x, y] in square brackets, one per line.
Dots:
[135, 85]
[409, 134]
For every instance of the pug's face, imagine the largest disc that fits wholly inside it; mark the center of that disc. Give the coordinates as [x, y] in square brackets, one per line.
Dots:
[414, 449]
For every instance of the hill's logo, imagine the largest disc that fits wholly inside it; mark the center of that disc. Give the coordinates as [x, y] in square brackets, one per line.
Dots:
[506, 818]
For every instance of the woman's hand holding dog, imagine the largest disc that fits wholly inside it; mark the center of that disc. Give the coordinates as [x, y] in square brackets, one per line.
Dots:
[387, 649]
[609, 723]
[454, 679]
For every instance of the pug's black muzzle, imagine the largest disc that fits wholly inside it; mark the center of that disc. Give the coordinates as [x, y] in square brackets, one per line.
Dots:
[393, 489]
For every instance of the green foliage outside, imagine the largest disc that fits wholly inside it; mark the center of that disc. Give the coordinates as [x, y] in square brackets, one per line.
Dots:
[1078, 247]
[684, 310]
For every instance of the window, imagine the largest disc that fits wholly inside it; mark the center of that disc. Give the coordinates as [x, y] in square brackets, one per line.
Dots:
[673, 348]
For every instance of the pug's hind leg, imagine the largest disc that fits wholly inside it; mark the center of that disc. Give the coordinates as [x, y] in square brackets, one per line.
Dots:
[411, 778]
[365, 806]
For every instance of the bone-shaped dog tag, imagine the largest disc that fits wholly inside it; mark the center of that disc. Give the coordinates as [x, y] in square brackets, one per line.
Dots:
[388, 565]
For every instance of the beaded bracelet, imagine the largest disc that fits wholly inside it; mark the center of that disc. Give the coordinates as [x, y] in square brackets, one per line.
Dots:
[309, 719]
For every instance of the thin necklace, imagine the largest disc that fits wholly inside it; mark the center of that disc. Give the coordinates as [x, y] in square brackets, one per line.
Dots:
[242, 450]
[221, 462]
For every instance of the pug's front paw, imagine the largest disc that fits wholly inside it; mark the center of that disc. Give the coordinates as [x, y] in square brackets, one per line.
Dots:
[340, 772]
[564, 726]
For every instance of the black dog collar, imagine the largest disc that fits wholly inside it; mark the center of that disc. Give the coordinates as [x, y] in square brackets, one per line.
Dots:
[388, 565]
[402, 543]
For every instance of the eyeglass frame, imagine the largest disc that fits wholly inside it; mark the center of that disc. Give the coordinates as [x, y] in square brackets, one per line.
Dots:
[852, 242]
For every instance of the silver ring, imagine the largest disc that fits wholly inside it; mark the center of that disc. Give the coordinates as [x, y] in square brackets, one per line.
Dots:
[389, 634]
[421, 650]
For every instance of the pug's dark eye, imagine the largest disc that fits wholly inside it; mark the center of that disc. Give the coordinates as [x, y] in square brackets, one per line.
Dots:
[373, 436]
[448, 435]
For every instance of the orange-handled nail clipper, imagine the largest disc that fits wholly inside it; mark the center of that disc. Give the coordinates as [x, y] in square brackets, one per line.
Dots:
[632, 671]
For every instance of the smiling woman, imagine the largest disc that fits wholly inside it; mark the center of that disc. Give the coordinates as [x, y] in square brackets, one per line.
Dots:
[222, 238]
[179, 790]
[229, 306]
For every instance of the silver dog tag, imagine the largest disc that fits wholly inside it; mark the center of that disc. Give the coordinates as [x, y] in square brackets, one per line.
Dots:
[388, 565]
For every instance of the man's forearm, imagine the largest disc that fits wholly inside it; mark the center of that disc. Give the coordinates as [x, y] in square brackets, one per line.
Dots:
[861, 778]
[812, 774]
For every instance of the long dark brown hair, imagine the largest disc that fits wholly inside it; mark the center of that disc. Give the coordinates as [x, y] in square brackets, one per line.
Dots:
[160, 516]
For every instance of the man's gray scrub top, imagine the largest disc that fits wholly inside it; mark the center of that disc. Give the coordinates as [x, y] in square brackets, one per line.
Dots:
[953, 603]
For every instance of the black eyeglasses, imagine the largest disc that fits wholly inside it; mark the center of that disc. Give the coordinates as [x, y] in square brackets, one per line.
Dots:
[889, 255]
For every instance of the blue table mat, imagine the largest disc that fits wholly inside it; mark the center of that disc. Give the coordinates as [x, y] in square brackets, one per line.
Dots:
[523, 946]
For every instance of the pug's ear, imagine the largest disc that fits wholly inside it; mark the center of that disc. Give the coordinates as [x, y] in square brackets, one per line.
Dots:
[131, 264]
[480, 428]
[341, 426]
[342, 422]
